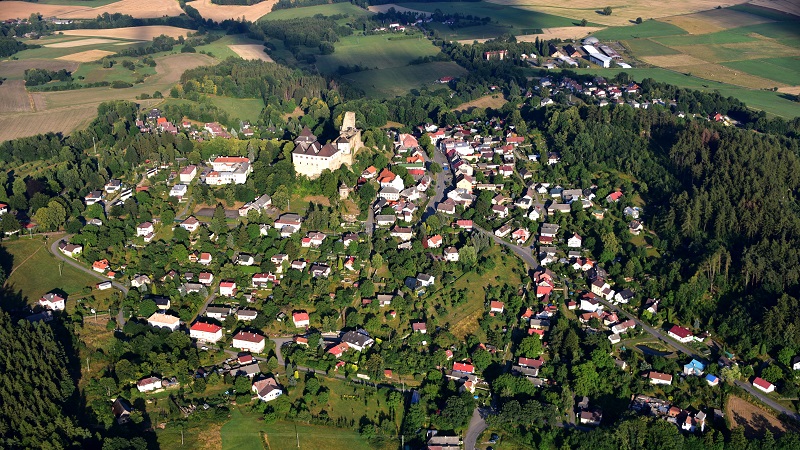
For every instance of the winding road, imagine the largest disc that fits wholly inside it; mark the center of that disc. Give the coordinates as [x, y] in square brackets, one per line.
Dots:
[477, 425]
[61, 257]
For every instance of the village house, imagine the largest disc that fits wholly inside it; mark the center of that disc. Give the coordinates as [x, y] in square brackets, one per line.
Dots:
[205, 332]
[451, 254]
[227, 288]
[191, 224]
[357, 340]
[267, 389]
[419, 327]
[52, 302]
[205, 278]
[148, 384]
[205, 258]
[229, 170]
[763, 385]
[187, 174]
[496, 307]
[246, 315]
[320, 270]
[288, 224]
[434, 241]
[520, 236]
[159, 320]
[575, 241]
[680, 334]
[694, 367]
[100, 266]
[71, 250]
[623, 327]
[659, 378]
[301, 319]
[218, 312]
[250, 342]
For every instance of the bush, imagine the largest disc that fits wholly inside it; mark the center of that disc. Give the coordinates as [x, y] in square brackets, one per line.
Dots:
[119, 84]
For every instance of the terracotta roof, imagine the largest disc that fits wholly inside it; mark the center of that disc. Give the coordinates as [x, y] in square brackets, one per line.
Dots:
[249, 337]
[206, 327]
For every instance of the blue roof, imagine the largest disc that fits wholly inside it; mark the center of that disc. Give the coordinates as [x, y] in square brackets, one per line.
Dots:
[695, 364]
[712, 378]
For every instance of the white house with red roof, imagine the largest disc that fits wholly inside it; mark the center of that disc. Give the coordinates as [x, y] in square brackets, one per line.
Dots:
[205, 258]
[100, 266]
[188, 173]
[52, 301]
[659, 378]
[227, 288]
[261, 280]
[575, 241]
[451, 254]
[496, 307]
[148, 384]
[464, 367]
[250, 342]
[520, 235]
[763, 385]
[435, 241]
[680, 334]
[205, 332]
[301, 319]
[614, 197]
[206, 278]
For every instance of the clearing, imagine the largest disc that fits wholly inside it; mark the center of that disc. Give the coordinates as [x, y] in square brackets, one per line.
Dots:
[754, 419]
[87, 56]
[143, 33]
[251, 51]
[495, 101]
[379, 51]
[396, 81]
[218, 13]
[14, 97]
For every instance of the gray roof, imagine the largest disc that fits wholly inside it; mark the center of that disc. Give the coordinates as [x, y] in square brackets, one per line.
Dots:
[359, 339]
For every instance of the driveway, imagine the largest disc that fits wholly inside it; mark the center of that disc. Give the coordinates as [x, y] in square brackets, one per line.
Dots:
[477, 425]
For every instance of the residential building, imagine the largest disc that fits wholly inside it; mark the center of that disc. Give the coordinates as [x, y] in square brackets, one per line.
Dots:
[227, 288]
[250, 342]
[680, 334]
[205, 332]
[267, 389]
[694, 367]
[301, 319]
[52, 302]
[357, 340]
[160, 320]
[187, 174]
[148, 384]
[763, 385]
[659, 378]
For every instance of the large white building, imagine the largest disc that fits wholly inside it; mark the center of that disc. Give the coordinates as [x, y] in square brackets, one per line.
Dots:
[164, 321]
[310, 157]
[205, 332]
[229, 169]
[250, 342]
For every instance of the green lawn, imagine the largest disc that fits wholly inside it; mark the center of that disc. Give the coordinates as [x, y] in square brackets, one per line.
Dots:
[782, 70]
[309, 11]
[94, 72]
[732, 36]
[771, 102]
[244, 430]
[398, 81]
[376, 51]
[763, 12]
[646, 29]
[647, 47]
[239, 108]
[36, 271]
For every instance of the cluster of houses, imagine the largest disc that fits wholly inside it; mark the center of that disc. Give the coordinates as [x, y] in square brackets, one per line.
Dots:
[155, 122]
[662, 409]
[592, 50]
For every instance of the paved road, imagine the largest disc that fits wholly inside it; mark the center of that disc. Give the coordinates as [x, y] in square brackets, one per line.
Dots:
[202, 309]
[768, 401]
[370, 224]
[526, 253]
[443, 180]
[61, 257]
[476, 426]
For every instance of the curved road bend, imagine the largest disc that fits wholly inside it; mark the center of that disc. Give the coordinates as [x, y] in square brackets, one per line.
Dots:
[477, 425]
[61, 257]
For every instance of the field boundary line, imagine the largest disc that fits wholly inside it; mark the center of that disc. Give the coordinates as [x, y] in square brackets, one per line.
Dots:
[21, 264]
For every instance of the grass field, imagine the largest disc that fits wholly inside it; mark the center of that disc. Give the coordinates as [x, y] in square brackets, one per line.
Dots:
[240, 108]
[646, 29]
[647, 47]
[399, 80]
[244, 431]
[376, 52]
[219, 48]
[36, 272]
[309, 11]
[782, 70]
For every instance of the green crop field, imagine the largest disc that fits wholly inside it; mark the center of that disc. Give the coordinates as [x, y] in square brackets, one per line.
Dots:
[768, 101]
[512, 19]
[782, 70]
[647, 47]
[333, 9]
[732, 36]
[36, 271]
[219, 49]
[767, 13]
[379, 51]
[239, 108]
[399, 80]
[646, 29]
[94, 72]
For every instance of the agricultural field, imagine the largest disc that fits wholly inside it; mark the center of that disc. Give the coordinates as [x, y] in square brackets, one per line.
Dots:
[783, 70]
[379, 51]
[396, 81]
[77, 9]
[495, 101]
[143, 33]
[239, 108]
[35, 272]
[218, 13]
[14, 97]
[328, 10]
[251, 51]
[623, 13]
[754, 419]
[223, 48]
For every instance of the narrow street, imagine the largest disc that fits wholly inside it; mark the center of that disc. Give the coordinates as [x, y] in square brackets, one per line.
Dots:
[477, 425]
[443, 180]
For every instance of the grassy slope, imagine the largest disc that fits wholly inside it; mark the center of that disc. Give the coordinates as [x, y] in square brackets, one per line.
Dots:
[505, 15]
[310, 11]
[219, 48]
[399, 80]
[376, 51]
[782, 70]
[36, 272]
[240, 108]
